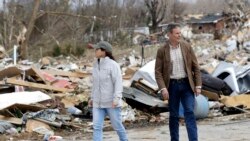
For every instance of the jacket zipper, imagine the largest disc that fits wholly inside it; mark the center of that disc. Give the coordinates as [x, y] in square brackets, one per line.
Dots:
[99, 104]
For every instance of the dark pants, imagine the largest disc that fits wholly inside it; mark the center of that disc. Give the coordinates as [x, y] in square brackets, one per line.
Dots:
[180, 91]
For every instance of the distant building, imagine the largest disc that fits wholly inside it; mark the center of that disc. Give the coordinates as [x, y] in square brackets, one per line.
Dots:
[210, 23]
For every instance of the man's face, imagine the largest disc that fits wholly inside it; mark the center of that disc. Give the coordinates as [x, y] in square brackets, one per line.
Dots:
[175, 35]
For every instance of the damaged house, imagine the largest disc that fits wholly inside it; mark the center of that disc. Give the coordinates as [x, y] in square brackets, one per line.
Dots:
[206, 23]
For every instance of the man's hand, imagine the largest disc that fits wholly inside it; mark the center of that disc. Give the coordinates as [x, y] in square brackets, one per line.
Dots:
[164, 93]
[197, 91]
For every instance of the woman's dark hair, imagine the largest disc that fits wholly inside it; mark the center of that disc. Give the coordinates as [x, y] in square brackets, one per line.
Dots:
[109, 54]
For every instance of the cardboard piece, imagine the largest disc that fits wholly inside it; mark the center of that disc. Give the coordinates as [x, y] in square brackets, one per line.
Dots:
[234, 101]
[9, 72]
[34, 124]
[129, 73]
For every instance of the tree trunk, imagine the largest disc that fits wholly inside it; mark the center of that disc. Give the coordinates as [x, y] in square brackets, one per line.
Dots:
[24, 45]
[5, 25]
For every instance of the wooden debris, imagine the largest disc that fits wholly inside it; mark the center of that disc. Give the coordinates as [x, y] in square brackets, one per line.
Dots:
[210, 95]
[56, 124]
[68, 74]
[32, 124]
[39, 73]
[13, 120]
[35, 85]
[9, 72]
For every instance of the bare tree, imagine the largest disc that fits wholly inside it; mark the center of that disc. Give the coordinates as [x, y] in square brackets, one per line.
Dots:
[239, 11]
[68, 23]
[206, 6]
[157, 11]
[178, 9]
[23, 51]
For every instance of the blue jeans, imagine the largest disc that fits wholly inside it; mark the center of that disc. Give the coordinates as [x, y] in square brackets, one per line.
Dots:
[182, 92]
[114, 114]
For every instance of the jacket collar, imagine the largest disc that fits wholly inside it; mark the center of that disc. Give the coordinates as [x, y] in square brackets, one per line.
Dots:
[183, 50]
[102, 60]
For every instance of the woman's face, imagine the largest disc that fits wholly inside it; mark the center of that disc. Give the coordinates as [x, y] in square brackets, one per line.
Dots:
[99, 53]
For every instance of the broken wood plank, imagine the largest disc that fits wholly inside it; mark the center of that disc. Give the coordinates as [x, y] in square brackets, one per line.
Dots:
[39, 73]
[210, 95]
[35, 85]
[56, 124]
[25, 107]
[13, 120]
[68, 74]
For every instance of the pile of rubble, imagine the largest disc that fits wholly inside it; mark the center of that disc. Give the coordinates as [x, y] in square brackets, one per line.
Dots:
[49, 95]
[53, 93]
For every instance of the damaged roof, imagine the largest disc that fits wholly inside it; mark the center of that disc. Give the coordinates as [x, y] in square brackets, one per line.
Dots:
[210, 18]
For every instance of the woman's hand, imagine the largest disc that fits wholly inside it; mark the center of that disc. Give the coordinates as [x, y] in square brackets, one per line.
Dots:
[115, 102]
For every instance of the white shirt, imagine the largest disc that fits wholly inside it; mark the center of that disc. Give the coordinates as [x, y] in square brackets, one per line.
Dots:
[177, 61]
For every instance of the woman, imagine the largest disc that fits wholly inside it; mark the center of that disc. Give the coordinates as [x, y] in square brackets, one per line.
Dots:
[106, 92]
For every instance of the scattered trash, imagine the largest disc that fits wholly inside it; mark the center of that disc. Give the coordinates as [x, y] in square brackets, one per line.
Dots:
[74, 111]
[52, 138]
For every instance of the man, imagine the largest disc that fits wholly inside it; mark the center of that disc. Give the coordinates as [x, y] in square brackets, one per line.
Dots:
[178, 76]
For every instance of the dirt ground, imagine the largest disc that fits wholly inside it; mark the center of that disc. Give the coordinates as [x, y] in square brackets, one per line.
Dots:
[226, 128]
[216, 131]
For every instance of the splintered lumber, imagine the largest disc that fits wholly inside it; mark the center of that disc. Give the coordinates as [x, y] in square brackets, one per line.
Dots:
[56, 124]
[210, 95]
[13, 120]
[39, 73]
[35, 85]
[68, 74]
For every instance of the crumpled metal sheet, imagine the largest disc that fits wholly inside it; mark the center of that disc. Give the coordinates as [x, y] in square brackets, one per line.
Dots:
[137, 95]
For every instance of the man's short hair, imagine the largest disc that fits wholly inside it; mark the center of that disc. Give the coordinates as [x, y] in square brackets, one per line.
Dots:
[172, 26]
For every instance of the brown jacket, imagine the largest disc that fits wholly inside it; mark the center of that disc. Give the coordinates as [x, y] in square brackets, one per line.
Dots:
[163, 65]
